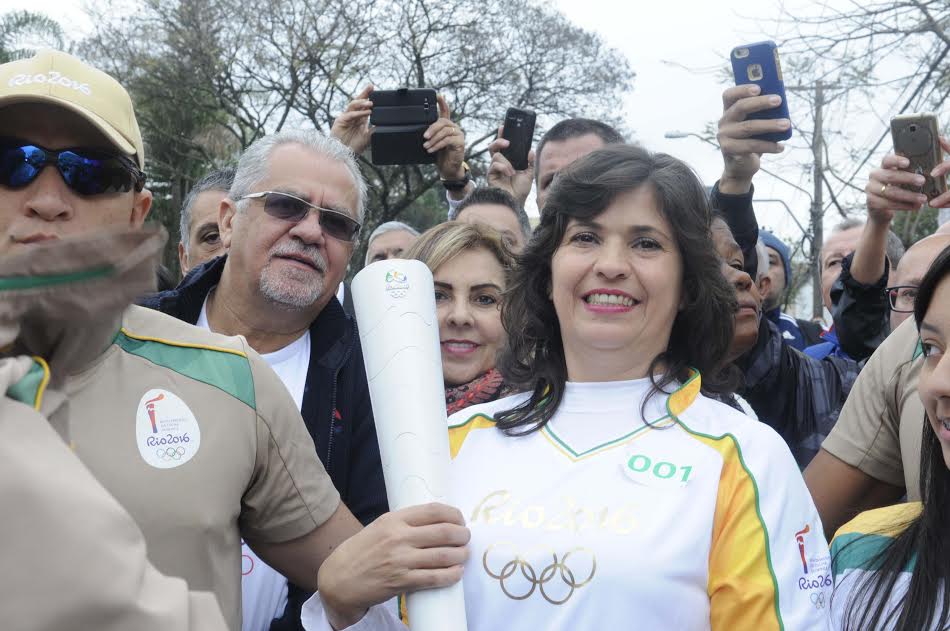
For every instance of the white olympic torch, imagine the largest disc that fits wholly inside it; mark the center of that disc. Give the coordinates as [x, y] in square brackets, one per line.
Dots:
[395, 309]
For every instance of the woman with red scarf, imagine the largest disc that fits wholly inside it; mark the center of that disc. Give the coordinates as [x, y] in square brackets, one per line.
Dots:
[470, 265]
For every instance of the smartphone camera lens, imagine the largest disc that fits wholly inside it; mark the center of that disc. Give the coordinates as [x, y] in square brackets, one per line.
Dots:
[912, 128]
[741, 53]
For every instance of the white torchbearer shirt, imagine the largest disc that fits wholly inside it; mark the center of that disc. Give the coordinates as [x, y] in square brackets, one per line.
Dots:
[696, 520]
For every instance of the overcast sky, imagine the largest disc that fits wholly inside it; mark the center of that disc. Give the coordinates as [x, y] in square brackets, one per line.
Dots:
[663, 41]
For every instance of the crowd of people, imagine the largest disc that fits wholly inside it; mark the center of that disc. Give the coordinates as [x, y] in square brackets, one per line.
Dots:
[639, 434]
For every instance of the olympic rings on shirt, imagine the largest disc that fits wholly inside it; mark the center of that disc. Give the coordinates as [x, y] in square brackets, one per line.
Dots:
[170, 453]
[818, 600]
[540, 580]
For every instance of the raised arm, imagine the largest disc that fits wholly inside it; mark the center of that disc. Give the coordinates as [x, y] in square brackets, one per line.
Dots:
[741, 155]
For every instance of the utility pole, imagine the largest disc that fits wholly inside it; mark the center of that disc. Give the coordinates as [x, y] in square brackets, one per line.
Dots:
[817, 232]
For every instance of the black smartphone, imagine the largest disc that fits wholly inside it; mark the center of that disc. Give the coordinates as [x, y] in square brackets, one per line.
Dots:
[400, 118]
[759, 64]
[519, 132]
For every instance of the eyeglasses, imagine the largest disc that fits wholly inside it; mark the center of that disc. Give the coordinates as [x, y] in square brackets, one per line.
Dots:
[335, 223]
[85, 171]
[901, 297]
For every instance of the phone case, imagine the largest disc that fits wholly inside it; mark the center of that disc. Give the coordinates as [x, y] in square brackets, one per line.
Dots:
[917, 138]
[404, 107]
[399, 144]
[759, 64]
[519, 131]
[400, 118]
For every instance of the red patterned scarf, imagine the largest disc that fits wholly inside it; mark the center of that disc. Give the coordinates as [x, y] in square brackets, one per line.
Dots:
[487, 387]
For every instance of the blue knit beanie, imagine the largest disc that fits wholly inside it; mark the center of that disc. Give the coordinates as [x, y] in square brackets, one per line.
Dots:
[771, 241]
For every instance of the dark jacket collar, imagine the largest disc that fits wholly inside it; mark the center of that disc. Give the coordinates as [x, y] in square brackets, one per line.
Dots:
[331, 333]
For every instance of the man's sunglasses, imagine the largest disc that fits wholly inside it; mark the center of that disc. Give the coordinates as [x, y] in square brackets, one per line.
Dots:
[335, 223]
[85, 171]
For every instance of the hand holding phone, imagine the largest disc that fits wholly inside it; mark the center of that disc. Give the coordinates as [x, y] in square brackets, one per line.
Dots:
[445, 140]
[351, 127]
[759, 64]
[738, 137]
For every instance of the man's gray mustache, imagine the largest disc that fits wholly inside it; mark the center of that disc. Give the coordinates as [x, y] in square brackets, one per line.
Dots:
[312, 253]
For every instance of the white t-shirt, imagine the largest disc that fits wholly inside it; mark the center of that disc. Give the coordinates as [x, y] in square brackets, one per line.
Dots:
[263, 589]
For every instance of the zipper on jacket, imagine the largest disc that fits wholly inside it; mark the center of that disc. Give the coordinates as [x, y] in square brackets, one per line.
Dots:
[336, 376]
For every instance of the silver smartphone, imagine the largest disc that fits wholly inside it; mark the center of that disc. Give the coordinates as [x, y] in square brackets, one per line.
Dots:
[917, 138]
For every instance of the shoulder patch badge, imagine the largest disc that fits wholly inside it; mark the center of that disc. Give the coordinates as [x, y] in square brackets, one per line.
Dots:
[166, 430]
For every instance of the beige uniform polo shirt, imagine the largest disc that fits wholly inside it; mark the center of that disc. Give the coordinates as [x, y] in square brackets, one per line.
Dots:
[200, 442]
[881, 424]
[73, 558]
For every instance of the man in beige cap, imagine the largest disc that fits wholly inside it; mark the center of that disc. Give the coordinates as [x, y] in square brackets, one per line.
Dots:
[190, 431]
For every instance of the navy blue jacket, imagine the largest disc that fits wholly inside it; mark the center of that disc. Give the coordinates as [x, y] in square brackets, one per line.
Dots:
[336, 406]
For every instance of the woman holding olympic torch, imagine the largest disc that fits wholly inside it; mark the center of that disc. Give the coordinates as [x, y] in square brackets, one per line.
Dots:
[612, 492]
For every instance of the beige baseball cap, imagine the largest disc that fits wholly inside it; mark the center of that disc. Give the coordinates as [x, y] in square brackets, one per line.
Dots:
[59, 79]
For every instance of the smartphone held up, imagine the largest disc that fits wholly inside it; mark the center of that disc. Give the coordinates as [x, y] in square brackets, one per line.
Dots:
[400, 118]
[519, 132]
[917, 138]
[759, 64]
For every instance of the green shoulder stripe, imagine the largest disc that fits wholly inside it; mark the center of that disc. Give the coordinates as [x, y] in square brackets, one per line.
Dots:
[30, 388]
[11, 283]
[221, 368]
[860, 551]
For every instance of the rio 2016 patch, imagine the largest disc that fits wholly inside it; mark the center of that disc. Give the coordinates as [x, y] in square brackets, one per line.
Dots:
[166, 430]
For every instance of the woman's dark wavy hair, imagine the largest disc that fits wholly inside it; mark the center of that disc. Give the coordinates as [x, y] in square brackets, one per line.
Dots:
[702, 330]
[924, 539]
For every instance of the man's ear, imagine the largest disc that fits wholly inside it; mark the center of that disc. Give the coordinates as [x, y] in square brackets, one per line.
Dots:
[227, 214]
[765, 286]
[182, 259]
[141, 205]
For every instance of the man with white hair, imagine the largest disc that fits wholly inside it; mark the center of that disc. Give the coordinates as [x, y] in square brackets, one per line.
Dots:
[389, 241]
[290, 224]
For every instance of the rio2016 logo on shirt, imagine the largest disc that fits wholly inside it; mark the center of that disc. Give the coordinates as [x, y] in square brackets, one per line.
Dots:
[166, 430]
[397, 284]
[816, 567]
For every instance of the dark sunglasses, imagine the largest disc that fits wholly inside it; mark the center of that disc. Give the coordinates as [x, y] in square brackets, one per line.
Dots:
[335, 223]
[85, 171]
